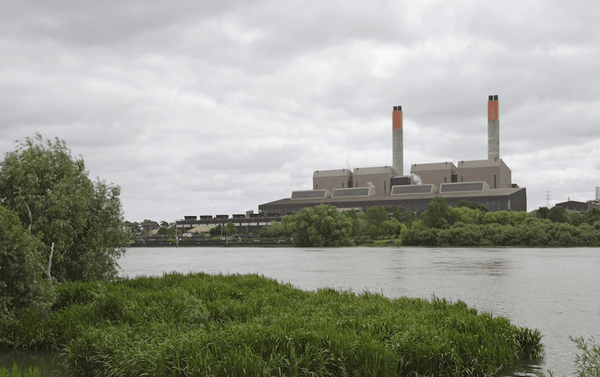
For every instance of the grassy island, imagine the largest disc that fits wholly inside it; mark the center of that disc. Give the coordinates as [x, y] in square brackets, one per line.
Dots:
[238, 325]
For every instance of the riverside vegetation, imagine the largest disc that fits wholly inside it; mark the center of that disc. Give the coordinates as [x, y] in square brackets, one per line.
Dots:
[199, 324]
[467, 224]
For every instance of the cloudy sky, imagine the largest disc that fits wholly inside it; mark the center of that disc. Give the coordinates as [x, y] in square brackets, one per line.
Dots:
[215, 107]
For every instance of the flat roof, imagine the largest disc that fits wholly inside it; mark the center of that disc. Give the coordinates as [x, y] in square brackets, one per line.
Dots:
[383, 197]
[432, 166]
[480, 163]
[332, 173]
[374, 170]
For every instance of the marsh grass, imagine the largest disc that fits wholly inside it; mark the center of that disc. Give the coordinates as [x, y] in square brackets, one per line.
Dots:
[247, 325]
[15, 371]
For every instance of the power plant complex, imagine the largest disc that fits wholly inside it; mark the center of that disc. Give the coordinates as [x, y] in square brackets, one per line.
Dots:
[486, 182]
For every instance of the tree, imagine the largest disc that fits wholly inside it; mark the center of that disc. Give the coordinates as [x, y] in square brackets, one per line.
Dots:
[438, 214]
[22, 282]
[403, 215]
[54, 198]
[162, 231]
[275, 230]
[542, 212]
[228, 230]
[557, 214]
[320, 226]
[471, 205]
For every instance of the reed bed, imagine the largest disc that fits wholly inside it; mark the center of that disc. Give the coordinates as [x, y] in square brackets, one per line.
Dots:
[248, 325]
[16, 371]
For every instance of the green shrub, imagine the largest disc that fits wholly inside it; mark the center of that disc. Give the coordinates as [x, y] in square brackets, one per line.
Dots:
[200, 324]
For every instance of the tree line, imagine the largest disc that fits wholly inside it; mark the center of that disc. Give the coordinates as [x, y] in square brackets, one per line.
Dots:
[467, 224]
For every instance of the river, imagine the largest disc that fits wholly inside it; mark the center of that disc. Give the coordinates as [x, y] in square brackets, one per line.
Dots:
[553, 290]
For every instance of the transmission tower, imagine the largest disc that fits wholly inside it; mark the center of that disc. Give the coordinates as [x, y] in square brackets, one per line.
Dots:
[548, 197]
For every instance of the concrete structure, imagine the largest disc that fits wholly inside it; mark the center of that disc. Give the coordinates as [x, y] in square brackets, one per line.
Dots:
[487, 182]
[597, 193]
[494, 172]
[513, 199]
[573, 205]
[435, 173]
[377, 177]
[332, 179]
[251, 223]
[397, 141]
[493, 128]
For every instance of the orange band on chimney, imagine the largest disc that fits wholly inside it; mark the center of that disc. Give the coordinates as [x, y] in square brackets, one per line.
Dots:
[492, 110]
[397, 120]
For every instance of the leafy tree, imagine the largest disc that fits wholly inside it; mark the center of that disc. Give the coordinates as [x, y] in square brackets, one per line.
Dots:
[376, 215]
[162, 231]
[358, 224]
[542, 212]
[592, 216]
[320, 226]
[438, 215]
[54, 198]
[403, 215]
[22, 282]
[275, 230]
[557, 214]
[477, 206]
[390, 228]
[228, 230]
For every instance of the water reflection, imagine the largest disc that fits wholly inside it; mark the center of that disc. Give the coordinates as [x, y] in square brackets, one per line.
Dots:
[46, 361]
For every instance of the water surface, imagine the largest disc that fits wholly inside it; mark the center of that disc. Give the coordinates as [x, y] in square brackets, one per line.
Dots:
[553, 290]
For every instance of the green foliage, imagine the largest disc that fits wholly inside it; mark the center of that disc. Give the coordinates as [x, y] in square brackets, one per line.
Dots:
[275, 230]
[439, 214]
[17, 372]
[442, 225]
[53, 196]
[557, 214]
[402, 215]
[375, 215]
[592, 216]
[22, 282]
[467, 204]
[239, 325]
[162, 231]
[320, 226]
[588, 361]
[379, 224]
[228, 230]
[542, 212]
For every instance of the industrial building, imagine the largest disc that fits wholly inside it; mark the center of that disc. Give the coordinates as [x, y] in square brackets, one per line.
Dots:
[486, 181]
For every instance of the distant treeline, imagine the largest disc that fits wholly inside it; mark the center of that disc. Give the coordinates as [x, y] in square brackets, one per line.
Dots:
[442, 225]
[467, 224]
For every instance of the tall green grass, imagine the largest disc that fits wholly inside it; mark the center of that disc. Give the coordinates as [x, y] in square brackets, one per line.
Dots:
[15, 371]
[247, 325]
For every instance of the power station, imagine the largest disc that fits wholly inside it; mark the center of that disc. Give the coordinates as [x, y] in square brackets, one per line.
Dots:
[486, 182]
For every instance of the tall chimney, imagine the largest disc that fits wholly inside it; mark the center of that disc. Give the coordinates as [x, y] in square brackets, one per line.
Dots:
[397, 143]
[493, 128]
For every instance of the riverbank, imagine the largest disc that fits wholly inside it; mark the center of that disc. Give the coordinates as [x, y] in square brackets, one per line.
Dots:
[215, 243]
[202, 324]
